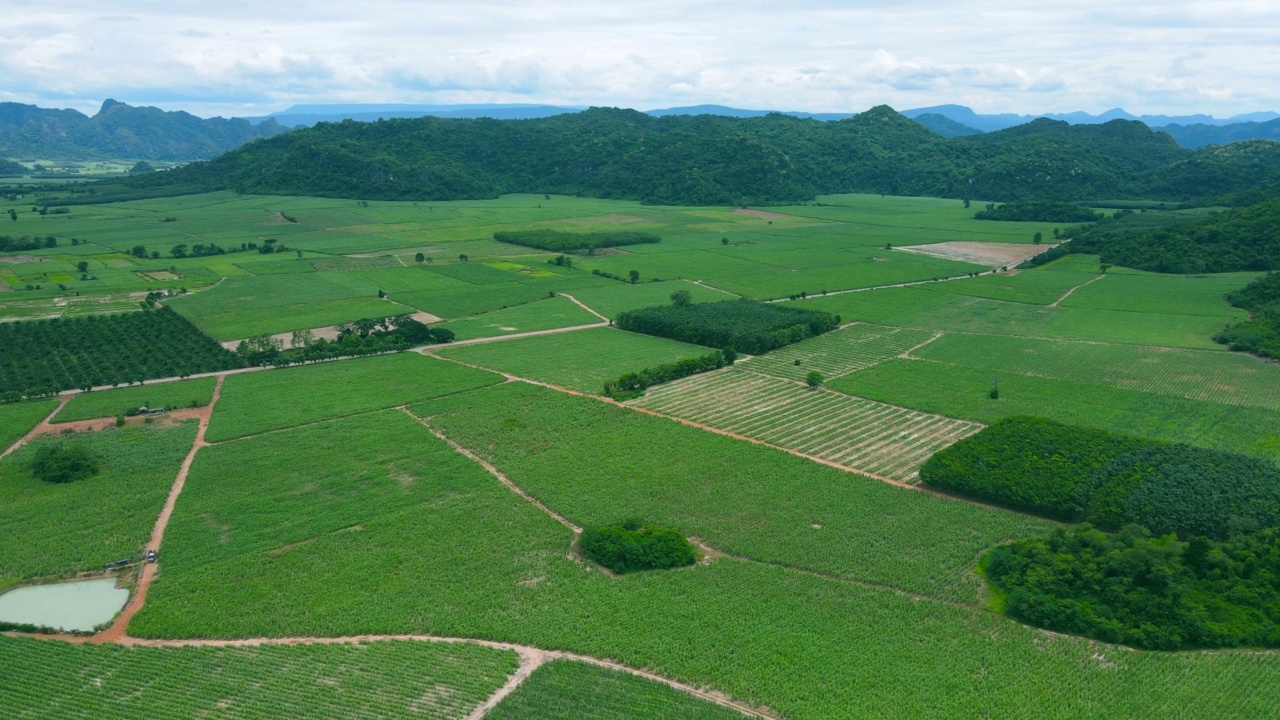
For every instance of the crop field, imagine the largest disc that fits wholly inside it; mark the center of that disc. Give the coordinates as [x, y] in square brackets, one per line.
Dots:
[17, 418]
[963, 392]
[253, 403]
[865, 435]
[98, 519]
[540, 315]
[372, 680]
[425, 494]
[838, 353]
[1230, 378]
[581, 360]
[565, 690]
[106, 403]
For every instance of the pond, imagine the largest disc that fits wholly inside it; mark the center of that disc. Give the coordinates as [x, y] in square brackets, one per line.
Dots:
[78, 605]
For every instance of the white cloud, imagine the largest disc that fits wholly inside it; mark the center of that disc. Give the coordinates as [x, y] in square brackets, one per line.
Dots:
[241, 57]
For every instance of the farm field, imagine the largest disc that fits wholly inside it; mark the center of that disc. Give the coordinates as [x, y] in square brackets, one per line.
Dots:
[98, 519]
[371, 680]
[962, 391]
[108, 403]
[253, 403]
[18, 418]
[539, 315]
[1230, 378]
[581, 360]
[865, 435]
[424, 494]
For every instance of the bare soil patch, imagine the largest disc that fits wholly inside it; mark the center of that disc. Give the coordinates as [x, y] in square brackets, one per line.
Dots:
[762, 214]
[979, 253]
[19, 259]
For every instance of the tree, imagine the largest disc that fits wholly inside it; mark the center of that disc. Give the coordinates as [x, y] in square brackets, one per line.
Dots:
[138, 251]
[419, 258]
[301, 338]
[299, 254]
[681, 298]
[13, 215]
[635, 276]
[463, 257]
[813, 379]
[140, 167]
[724, 241]
[1038, 238]
[82, 266]
[179, 251]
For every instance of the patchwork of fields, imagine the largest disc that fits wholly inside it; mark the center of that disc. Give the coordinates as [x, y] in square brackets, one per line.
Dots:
[404, 498]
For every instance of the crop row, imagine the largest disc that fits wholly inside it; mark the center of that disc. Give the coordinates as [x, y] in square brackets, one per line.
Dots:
[862, 434]
[839, 353]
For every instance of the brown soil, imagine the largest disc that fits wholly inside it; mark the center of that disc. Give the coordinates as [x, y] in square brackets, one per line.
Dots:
[979, 253]
[762, 214]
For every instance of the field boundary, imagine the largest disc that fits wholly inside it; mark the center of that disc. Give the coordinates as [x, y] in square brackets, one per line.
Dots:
[1067, 294]
[40, 429]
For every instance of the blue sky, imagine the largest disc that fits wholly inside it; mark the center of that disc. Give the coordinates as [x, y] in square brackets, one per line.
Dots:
[236, 57]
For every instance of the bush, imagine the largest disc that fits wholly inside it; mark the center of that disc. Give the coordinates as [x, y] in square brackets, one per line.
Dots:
[61, 464]
[633, 383]
[634, 546]
[560, 241]
[1039, 210]
[744, 326]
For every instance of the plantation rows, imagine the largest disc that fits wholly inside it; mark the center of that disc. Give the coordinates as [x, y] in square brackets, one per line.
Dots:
[46, 356]
[839, 353]
[387, 679]
[862, 434]
[1222, 377]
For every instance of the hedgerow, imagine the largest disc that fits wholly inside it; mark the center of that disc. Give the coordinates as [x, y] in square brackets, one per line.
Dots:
[633, 382]
[634, 546]
[1154, 593]
[560, 241]
[744, 326]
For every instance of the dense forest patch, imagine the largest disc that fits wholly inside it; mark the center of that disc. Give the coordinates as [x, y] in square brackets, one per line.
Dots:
[1148, 592]
[744, 326]
[1038, 210]
[560, 241]
[1072, 473]
[1260, 334]
[43, 357]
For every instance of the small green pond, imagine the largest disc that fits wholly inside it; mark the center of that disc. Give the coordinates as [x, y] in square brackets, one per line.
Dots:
[78, 605]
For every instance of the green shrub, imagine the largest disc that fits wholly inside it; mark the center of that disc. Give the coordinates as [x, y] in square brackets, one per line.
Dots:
[1039, 210]
[63, 464]
[634, 546]
[633, 383]
[560, 241]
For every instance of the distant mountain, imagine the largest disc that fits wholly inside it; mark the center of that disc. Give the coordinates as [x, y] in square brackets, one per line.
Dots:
[308, 115]
[945, 126]
[708, 159]
[1199, 135]
[1000, 121]
[120, 131]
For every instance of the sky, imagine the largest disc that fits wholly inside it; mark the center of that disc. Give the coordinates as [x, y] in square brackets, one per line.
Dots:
[246, 58]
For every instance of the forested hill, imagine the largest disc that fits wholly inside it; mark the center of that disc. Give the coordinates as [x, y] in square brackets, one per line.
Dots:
[121, 131]
[699, 160]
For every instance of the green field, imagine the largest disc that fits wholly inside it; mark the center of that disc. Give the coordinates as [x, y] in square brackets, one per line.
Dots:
[106, 403]
[582, 360]
[372, 680]
[853, 348]
[546, 314]
[254, 403]
[98, 519]
[17, 418]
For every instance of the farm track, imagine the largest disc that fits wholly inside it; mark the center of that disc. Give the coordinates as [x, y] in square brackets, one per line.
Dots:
[1067, 294]
[39, 429]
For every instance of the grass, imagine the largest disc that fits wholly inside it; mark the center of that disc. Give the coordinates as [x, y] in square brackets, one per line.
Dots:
[582, 360]
[962, 391]
[838, 353]
[567, 690]
[76, 527]
[599, 464]
[1230, 378]
[545, 314]
[253, 403]
[18, 418]
[455, 553]
[106, 403]
[372, 680]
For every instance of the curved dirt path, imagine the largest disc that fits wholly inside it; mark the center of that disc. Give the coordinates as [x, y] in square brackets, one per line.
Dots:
[583, 305]
[40, 429]
[1067, 294]
[118, 630]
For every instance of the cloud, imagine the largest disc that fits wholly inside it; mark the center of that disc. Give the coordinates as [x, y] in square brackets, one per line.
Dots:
[245, 57]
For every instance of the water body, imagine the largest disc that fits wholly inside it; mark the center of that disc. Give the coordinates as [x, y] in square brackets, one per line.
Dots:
[69, 606]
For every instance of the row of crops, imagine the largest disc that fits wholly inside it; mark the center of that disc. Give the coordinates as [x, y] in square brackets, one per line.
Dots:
[850, 349]
[873, 437]
[48, 356]
[46, 679]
